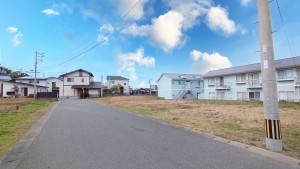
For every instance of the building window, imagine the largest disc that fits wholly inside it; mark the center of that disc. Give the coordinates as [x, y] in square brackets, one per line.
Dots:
[82, 79]
[70, 79]
[212, 95]
[285, 74]
[212, 81]
[242, 95]
[112, 82]
[241, 78]
[181, 82]
[221, 95]
[254, 95]
[37, 82]
[53, 84]
[80, 73]
[124, 84]
[286, 96]
[30, 81]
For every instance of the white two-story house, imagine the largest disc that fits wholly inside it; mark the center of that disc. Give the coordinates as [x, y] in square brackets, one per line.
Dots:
[245, 82]
[78, 83]
[178, 86]
[122, 82]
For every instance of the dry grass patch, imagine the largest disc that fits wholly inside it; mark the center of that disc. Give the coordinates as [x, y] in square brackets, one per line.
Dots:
[16, 117]
[235, 120]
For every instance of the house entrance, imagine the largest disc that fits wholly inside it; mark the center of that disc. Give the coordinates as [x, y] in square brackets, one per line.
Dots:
[121, 90]
[24, 91]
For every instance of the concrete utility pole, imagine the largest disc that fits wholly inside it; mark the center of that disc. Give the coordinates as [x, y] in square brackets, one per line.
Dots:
[150, 86]
[270, 97]
[101, 86]
[38, 57]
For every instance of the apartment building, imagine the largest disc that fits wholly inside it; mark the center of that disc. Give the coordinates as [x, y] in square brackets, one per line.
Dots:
[178, 86]
[245, 82]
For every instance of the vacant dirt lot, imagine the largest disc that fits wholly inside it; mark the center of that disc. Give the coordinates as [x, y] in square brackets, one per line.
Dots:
[235, 120]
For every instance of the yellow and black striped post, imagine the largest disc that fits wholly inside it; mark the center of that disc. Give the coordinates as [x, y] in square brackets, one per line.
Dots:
[273, 129]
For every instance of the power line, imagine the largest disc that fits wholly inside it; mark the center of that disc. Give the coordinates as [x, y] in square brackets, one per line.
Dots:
[285, 30]
[106, 37]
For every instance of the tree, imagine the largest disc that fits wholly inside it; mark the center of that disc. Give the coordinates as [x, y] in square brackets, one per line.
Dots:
[16, 90]
[16, 74]
[115, 89]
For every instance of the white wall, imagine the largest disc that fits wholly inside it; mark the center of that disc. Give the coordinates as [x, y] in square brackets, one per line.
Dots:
[7, 87]
[122, 83]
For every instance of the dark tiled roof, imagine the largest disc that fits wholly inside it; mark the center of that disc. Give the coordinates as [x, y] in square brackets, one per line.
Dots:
[279, 64]
[93, 85]
[116, 78]
[177, 76]
[91, 74]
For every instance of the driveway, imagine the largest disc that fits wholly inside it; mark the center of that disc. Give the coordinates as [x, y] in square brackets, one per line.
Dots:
[84, 135]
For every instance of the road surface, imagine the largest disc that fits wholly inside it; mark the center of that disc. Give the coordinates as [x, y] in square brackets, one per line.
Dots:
[84, 135]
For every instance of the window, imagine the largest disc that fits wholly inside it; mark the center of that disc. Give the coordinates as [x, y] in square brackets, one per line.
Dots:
[112, 82]
[181, 82]
[199, 83]
[70, 79]
[37, 82]
[286, 96]
[241, 78]
[211, 81]
[212, 95]
[53, 84]
[82, 79]
[241, 95]
[285, 74]
[30, 81]
[124, 84]
[254, 95]
[80, 73]
[221, 95]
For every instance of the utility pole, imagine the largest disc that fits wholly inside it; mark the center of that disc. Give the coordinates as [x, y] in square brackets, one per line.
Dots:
[101, 86]
[38, 57]
[269, 83]
[150, 86]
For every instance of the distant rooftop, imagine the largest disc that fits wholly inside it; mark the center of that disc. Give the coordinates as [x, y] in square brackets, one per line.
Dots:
[116, 78]
[279, 64]
[178, 76]
[91, 74]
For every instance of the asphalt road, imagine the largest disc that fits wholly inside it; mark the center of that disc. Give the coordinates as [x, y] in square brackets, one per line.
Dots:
[85, 135]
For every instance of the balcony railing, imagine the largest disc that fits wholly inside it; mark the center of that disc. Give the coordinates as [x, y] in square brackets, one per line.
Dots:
[254, 83]
[283, 78]
[297, 81]
[223, 86]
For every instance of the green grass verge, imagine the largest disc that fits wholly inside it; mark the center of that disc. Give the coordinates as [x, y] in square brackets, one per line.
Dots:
[15, 123]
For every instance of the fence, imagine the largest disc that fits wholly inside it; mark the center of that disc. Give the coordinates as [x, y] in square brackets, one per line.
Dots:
[47, 95]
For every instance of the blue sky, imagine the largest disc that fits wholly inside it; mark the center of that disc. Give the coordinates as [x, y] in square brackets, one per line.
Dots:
[140, 39]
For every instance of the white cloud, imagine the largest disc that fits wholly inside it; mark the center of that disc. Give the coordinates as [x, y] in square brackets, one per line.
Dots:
[209, 62]
[50, 12]
[16, 35]
[136, 30]
[12, 29]
[16, 39]
[195, 55]
[218, 20]
[133, 11]
[166, 30]
[245, 2]
[143, 85]
[191, 10]
[105, 31]
[63, 7]
[127, 62]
